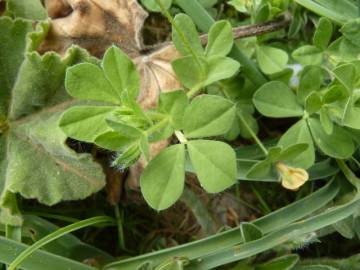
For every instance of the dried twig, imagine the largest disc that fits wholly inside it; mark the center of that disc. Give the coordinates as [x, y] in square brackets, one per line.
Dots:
[240, 32]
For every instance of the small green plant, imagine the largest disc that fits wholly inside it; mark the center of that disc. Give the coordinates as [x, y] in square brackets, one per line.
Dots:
[126, 128]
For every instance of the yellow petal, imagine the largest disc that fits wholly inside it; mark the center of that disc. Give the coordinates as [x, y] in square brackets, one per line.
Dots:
[292, 178]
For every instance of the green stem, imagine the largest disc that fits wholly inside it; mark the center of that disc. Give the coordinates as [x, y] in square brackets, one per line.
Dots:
[157, 127]
[119, 223]
[204, 21]
[55, 235]
[156, 116]
[193, 91]
[52, 216]
[252, 133]
[264, 205]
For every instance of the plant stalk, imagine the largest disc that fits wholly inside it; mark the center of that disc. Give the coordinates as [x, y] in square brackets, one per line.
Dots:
[253, 135]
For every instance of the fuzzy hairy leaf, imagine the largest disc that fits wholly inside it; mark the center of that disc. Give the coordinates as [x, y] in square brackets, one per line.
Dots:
[37, 163]
[32, 10]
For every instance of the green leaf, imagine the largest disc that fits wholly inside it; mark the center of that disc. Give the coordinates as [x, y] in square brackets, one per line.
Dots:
[292, 152]
[63, 174]
[154, 7]
[128, 156]
[12, 38]
[311, 79]
[124, 129]
[308, 55]
[220, 39]
[276, 99]
[31, 9]
[335, 93]
[271, 60]
[220, 68]
[121, 72]
[313, 103]
[207, 116]
[174, 103]
[326, 122]
[259, 169]
[189, 71]
[340, 12]
[214, 163]
[351, 114]
[145, 147]
[323, 33]
[87, 81]
[39, 164]
[189, 33]
[112, 141]
[350, 30]
[85, 123]
[286, 262]
[337, 145]
[162, 181]
[345, 74]
[299, 133]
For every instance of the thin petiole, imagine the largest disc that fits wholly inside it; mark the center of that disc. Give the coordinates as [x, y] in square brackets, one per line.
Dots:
[120, 228]
[252, 133]
[163, 123]
[181, 137]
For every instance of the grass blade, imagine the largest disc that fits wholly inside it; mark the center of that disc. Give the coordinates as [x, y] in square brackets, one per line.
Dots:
[39, 260]
[55, 235]
[274, 221]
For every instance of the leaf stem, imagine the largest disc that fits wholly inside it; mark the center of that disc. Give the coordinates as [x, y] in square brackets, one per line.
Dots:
[120, 228]
[157, 126]
[57, 234]
[266, 208]
[181, 137]
[193, 91]
[252, 133]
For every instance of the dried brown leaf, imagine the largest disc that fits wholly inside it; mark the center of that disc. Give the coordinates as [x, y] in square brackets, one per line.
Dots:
[95, 25]
[156, 75]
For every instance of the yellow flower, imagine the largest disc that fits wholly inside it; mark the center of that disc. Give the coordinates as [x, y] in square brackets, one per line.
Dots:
[291, 178]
